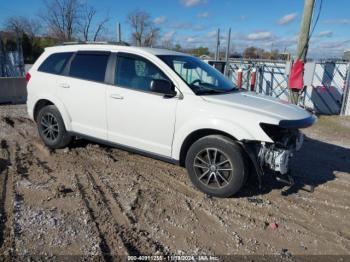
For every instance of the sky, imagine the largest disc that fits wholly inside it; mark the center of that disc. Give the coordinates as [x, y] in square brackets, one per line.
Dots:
[268, 24]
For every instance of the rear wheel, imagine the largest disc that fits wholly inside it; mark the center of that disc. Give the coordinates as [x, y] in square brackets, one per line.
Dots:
[51, 128]
[215, 165]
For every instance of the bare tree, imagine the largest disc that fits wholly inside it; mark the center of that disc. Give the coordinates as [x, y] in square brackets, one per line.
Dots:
[87, 25]
[88, 16]
[167, 44]
[167, 40]
[66, 20]
[20, 25]
[144, 33]
[62, 18]
[15, 24]
[33, 27]
[100, 28]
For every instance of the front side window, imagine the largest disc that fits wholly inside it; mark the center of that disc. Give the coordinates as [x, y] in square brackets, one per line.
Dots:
[89, 66]
[136, 72]
[55, 63]
[199, 76]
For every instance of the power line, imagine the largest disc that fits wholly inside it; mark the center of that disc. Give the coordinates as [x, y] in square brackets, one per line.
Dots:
[317, 18]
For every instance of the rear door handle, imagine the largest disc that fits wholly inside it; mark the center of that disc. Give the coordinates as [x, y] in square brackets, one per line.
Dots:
[116, 96]
[64, 85]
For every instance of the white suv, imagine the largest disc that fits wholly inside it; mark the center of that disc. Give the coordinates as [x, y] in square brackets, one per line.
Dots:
[164, 104]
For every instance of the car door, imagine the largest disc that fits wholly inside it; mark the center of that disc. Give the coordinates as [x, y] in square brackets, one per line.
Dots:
[137, 117]
[83, 92]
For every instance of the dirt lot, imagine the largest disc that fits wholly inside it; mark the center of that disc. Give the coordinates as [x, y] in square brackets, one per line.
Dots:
[93, 200]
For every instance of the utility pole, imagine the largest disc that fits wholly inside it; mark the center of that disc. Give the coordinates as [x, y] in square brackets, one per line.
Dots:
[228, 52]
[2, 58]
[303, 44]
[119, 33]
[217, 45]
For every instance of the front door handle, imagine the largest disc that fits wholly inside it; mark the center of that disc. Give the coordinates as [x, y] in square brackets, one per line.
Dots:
[64, 85]
[116, 96]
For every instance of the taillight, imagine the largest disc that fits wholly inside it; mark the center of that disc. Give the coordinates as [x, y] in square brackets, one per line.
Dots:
[28, 77]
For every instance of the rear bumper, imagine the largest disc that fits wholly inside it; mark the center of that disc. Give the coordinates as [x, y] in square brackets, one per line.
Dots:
[30, 108]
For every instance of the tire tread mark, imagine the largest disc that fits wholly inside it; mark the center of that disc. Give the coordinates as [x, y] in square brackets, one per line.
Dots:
[103, 245]
[6, 200]
[129, 236]
[110, 200]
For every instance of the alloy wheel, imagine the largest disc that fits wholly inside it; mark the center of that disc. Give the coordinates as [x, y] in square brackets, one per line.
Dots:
[213, 168]
[49, 126]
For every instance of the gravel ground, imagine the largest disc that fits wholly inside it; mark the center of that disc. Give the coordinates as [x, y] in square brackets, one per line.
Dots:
[92, 200]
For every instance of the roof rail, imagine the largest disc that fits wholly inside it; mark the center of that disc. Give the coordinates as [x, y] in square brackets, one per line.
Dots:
[95, 43]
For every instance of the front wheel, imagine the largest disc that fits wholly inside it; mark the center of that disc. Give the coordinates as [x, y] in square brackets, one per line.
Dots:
[51, 128]
[215, 165]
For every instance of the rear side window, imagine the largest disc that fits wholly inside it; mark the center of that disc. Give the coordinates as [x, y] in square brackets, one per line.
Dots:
[55, 63]
[89, 66]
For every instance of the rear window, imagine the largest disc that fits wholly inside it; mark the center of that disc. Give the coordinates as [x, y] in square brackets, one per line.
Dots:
[89, 66]
[55, 63]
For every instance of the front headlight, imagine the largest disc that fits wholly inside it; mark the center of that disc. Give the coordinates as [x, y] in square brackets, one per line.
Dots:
[273, 131]
[284, 137]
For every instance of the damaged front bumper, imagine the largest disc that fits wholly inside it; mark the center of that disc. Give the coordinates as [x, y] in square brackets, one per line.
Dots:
[272, 158]
[286, 138]
[275, 157]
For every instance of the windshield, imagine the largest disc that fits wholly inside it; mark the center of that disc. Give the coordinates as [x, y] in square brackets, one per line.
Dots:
[200, 76]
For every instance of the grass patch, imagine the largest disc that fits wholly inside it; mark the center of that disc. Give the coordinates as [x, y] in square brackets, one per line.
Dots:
[338, 124]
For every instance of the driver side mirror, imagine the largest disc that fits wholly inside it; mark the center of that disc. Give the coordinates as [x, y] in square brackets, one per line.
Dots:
[162, 87]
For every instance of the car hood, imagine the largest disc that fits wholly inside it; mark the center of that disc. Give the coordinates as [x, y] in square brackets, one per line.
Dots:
[265, 105]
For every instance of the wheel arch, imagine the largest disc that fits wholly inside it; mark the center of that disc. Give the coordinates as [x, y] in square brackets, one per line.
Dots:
[51, 101]
[39, 105]
[194, 136]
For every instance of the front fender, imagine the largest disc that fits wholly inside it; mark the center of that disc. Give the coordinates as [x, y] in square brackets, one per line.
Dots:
[236, 130]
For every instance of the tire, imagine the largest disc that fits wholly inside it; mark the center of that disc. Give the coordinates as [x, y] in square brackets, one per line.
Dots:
[56, 137]
[221, 175]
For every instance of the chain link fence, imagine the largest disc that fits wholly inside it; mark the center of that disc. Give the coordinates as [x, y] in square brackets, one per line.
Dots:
[326, 89]
[11, 62]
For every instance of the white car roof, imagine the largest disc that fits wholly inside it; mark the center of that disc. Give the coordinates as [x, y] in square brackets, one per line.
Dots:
[107, 47]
